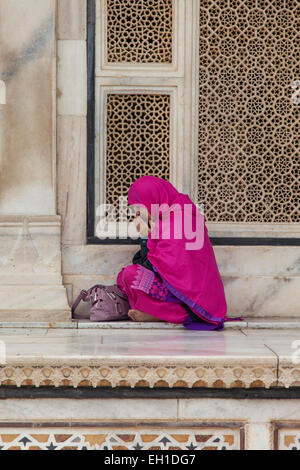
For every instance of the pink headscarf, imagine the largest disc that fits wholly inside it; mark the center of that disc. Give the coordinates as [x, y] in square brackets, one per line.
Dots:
[192, 275]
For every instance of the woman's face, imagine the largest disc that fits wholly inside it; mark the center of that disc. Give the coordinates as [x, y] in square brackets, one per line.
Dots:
[142, 220]
[141, 212]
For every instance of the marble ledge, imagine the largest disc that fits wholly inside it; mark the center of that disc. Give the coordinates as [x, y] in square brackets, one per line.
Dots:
[75, 357]
[36, 220]
[253, 230]
[112, 358]
[270, 323]
[286, 345]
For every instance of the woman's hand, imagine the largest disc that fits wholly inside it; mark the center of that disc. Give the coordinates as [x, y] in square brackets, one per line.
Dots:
[142, 227]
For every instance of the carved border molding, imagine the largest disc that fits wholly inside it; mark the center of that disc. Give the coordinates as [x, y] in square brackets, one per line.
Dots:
[152, 376]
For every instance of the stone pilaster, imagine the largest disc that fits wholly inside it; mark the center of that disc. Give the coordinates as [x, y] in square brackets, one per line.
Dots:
[30, 270]
[31, 286]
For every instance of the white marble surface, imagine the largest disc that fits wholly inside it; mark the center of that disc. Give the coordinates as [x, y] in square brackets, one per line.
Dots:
[258, 260]
[256, 411]
[286, 346]
[29, 248]
[31, 287]
[257, 417]
[262, 296]
[270, 323]
[27, 65]
[96, 260]
[264, 357]
[71, 16]
[88, 410]
[232, 260]
[145, 345]
[254, 229]
[273, 323]
[284, 343]
[231, 358]
[72, 78]
[201, 410]
[71, 177]
[259, 281]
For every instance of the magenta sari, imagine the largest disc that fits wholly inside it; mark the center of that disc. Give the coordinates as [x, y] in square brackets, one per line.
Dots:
[184, 280]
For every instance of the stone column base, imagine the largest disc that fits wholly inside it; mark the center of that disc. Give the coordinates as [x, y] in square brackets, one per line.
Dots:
[31, 286]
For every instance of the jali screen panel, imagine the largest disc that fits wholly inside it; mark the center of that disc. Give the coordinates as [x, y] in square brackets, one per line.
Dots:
[139, 31]
[138, 141]
[249, 167]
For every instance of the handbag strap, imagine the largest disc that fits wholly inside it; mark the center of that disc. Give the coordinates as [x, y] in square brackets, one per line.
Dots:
[117, 291]
[82, 296]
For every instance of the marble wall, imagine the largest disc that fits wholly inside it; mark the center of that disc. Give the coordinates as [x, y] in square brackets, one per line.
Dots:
[135, 424]
[71, 119]
[30, 230]
[260, 281]
[27, 145]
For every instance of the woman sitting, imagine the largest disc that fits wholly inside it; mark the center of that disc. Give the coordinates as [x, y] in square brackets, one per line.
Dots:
[175, 277]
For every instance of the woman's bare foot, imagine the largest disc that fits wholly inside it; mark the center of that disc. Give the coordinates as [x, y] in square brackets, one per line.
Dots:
[137, 315]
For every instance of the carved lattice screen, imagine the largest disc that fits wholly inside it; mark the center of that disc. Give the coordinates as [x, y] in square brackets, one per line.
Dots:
[138, 141]
[248, 124]
[139, 31]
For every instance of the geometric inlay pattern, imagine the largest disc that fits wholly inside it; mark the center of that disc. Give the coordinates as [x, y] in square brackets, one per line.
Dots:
[249, 125]
[119, 439]
[138, 141]
[289, 439]
[139, 31]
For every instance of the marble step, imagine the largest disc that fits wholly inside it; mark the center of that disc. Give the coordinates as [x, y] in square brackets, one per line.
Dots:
[233, 358]
[252, 323]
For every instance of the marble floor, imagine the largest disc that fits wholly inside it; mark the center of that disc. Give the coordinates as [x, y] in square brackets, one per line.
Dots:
[69, 344]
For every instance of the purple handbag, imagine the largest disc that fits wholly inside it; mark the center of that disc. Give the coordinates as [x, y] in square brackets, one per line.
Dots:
[108, 303]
